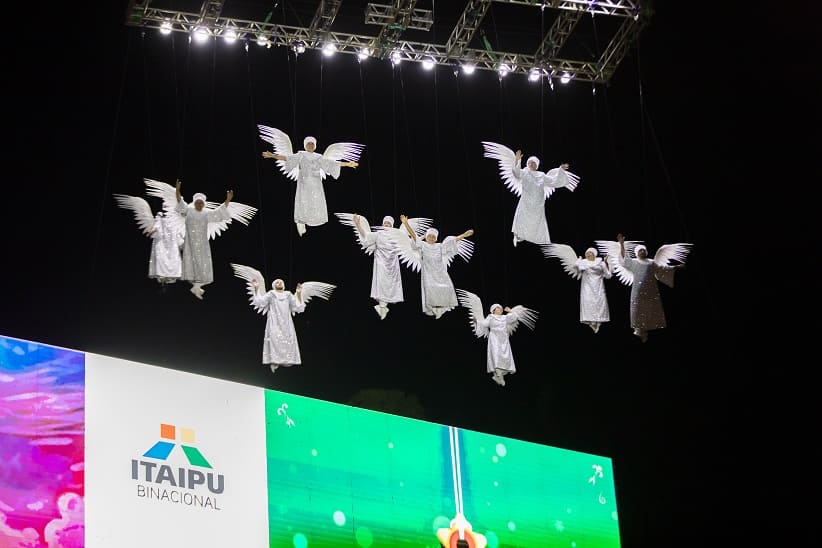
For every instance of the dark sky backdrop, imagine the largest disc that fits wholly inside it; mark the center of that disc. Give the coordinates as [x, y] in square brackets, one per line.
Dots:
[691, 421]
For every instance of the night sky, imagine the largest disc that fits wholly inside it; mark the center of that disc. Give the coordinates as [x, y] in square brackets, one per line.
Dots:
[696, 420]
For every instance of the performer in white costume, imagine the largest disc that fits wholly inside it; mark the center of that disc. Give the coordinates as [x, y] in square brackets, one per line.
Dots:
[204, 221]
[593, 271]
[432, 260]
[167, 232]
[280, 348]
[309, 169]
[532, 187]
[497, 326]
[386, 282]
[642, 274]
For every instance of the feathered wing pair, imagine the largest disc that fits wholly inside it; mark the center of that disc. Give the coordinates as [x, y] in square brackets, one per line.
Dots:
[309, 170]
[497, 328]
[532, 187]
[642, 275]
[280, 347]
[380, 242]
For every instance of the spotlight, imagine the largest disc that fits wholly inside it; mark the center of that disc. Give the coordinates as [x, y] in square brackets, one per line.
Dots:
[200, 34]
[364, 54]
[230, 36]
[534, 74]
[503, 70]
[165, 28]
[565, 78]
[468, 68]
[262, 40]
[299, 47]
[428, 63]
[329, 49]
[396, 57]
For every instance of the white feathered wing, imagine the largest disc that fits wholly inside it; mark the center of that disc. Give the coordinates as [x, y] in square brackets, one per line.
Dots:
[613, 251]
[320, 290]
[476, 313]
[141, 210]
[342, 152]
[281, 143]
[348, 220]
[251, 275]
[506, 159]
[566, 255]
[526, 316]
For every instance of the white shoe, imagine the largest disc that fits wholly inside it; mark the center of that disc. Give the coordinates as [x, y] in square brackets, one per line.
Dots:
[595, 327]
[301, 228]
[592, 325]
[383, 312]
[438, 312]
[496, 378]
[274, 367]
[515, 240]
[198, 291]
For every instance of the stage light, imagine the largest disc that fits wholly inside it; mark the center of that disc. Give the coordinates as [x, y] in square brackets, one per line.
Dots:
[200, 34]
[534, 74]
[565, 78]
[468, 68]
[299, 47]
[262, 40]
[329, 49]
[396, 57]
[230, 36]
[428, 63]
[165, 28]
[503, 70]
[364, 53]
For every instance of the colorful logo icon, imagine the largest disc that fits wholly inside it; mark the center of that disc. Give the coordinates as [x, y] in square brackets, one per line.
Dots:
[162, 449]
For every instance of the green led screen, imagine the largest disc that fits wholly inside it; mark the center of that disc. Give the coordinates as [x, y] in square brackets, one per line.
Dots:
[343, 476]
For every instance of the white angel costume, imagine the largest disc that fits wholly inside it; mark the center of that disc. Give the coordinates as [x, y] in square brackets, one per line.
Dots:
[379, 241]
[200, 227]
[533, 188]
[497, 328]
[167, 233]
[647, 312]
[593, 302]
[309, 169]
[280, 347]
[433, 261]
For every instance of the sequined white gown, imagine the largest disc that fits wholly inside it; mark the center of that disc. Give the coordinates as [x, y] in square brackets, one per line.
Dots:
[309, 202]
[280, 342]
[386, 282]
[646, 304]
[530, 222]
[593, 302]
[499, 346]
[165, 263]
[437, 287]
[197, 267]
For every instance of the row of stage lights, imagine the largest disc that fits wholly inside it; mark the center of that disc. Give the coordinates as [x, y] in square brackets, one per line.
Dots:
[201, 35]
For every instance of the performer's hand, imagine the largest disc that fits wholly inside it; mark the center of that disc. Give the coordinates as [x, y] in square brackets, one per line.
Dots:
[565, 166]
[299, 288]
[179, 184]
[229, 196]
[255, 283]
[469, 232]
[268, 154]
[507, 309]
[353, 164]
[403, 218]
[356, 218]
[518, 155]
[620, 238]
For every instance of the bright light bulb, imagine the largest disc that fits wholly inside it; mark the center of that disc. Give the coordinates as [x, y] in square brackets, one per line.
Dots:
[428, 63]
[565, 78]
[364, 53]
[165, 28]
[262, 40]
[396, 57]
[503, 70]
[534, 74]
[468, 68]
[299, 47]
[200, 34]
[230, 36]
[329, 49]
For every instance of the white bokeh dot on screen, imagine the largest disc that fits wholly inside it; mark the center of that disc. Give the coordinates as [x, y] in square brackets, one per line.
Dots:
[501, 450]
[496, 484]
[495, 459]
[512, 526]
[339, 518]
[313, 452]
[391, 445]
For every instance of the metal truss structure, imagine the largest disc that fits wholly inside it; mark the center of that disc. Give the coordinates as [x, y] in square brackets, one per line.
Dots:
[402, 15]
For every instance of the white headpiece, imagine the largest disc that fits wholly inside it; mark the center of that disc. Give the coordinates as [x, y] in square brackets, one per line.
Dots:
[592, 250]
[533, 159]
[309, 139]
[432, 231]
[388, 218]
[494, 306]
[274, 283]
[642, 247]
[199, 196]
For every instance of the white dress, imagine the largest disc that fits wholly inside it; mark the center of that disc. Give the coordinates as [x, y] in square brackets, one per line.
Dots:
[593, 302]
[165, 264]
[499, 345]
[386, 282]
[646, 304]
[530, 222]
[437, 287]
[309, 202]
[280, 342]
[197, 267]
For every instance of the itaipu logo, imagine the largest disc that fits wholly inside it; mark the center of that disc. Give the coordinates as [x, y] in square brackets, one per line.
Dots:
[192, 485]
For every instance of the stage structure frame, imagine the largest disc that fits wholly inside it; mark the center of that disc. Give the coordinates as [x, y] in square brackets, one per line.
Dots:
[402, 15]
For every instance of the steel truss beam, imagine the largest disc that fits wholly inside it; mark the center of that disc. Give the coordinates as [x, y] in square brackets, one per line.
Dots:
[467, 26]
[617, 8]
[378, 14]
[545, 61]
[324, 17]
